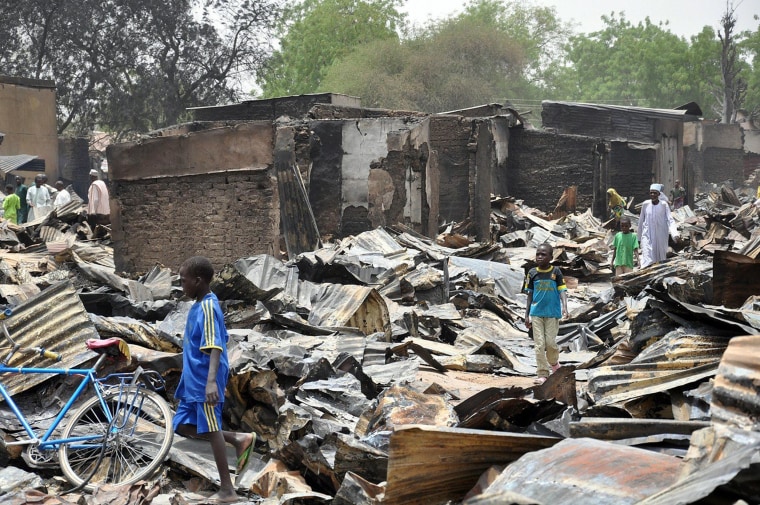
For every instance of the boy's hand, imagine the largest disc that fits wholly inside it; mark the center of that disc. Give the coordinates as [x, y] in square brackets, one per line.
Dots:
[528, 324]
[212, 392]
[565, 315]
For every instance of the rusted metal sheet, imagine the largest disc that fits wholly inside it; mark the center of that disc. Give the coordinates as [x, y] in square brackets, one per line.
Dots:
[56, 320]
[429, 465]
[356, 306]
[736, 391]
[614, 384]
[734, 278]
[586, 471]
[612, 428]
[296, 217]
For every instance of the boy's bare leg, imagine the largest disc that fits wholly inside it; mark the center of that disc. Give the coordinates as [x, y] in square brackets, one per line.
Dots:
[226, 493]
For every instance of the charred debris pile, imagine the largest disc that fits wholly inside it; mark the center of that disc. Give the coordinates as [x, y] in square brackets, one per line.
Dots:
[391, 368]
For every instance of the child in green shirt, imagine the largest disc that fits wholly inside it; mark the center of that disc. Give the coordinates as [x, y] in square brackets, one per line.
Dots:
[625, 248]
[11, 204]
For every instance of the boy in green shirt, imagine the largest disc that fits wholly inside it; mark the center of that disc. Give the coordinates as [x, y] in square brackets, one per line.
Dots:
[11, 204]
[625, 248]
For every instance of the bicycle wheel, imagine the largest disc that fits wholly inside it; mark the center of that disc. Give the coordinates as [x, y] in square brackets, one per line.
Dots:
[137, 442]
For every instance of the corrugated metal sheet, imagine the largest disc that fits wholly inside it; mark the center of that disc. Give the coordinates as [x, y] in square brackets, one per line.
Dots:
[586, 471]
[736, 391]
[347, 305]
[676, 114]
[56, 320]
[10, 163]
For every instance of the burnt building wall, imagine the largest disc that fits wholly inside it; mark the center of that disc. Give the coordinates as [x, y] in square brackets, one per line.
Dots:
[542, 164]
[723, 164]
[364, 173]
[630, 171]
[599, 121]
[295, 107]
[223, 216]
[210, 193]
[449, 138]
[74, 164]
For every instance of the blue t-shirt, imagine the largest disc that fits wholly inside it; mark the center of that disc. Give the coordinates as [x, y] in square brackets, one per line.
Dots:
[545, 285]
[204, 331]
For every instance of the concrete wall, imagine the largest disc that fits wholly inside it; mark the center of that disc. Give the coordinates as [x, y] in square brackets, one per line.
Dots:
[365, 173]
[210, 193]
[28, 119]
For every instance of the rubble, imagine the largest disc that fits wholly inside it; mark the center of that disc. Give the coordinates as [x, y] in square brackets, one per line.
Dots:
[389, 367]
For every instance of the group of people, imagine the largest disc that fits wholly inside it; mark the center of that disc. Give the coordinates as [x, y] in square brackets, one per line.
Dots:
[23, 204]
[650, 243]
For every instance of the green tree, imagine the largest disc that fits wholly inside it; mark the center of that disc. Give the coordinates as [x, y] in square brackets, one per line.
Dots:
[492, 51]
[133, 65]
[315, 33]
[642, 64]
[750, 48]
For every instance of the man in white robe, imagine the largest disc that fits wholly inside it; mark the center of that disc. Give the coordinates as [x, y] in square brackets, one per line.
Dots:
[655, 223]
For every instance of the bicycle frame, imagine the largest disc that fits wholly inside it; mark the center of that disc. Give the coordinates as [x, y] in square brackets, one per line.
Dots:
[45, 442]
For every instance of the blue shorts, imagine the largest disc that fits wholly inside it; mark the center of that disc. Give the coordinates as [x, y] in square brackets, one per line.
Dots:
[206, 417]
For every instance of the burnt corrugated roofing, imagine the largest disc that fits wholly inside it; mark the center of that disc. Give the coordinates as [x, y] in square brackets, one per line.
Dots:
[686, 114]
[10, 163]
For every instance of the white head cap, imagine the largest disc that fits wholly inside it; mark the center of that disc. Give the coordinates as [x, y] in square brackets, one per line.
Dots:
[653, 187]
[94, 172]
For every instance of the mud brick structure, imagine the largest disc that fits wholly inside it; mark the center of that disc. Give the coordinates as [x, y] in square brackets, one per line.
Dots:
[210, 193]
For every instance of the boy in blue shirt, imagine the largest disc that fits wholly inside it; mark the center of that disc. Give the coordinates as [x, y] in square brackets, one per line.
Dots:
[205, 371]
[547, 304]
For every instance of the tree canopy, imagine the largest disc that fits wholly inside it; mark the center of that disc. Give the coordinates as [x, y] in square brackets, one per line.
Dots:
[132, 65]
[315, 33]
[491, 51]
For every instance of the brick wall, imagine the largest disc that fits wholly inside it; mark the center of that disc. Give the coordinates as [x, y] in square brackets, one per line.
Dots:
[722, 164]
[223, 216]
[542, 164]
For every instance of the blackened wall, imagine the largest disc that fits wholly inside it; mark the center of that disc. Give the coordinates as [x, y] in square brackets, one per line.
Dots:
[74, 164]
[325, 179]
[630, 171]
[542, 164]
[722, 164]
[449, 137]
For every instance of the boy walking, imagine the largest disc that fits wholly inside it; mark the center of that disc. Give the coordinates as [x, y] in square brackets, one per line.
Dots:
[204, 376]
[547, 304]
[625, 248]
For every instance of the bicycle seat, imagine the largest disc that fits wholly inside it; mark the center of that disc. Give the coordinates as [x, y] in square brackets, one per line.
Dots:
[113, 347]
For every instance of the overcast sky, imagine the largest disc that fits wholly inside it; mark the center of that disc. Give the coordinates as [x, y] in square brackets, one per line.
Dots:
[685, 17]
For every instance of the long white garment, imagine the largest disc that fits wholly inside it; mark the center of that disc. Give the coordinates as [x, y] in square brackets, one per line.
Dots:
[62, 198]
[39, 202]
[655, 222]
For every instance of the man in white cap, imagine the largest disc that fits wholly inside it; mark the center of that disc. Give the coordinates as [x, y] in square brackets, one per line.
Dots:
[98, 205]
[655, 222]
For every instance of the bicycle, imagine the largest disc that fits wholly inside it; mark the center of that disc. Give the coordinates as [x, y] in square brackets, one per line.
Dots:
[120, 435]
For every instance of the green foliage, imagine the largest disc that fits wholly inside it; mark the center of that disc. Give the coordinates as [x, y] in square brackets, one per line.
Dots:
[318, 32]
[750, 48]
[129, 66]
[643, 64]
[492, 51]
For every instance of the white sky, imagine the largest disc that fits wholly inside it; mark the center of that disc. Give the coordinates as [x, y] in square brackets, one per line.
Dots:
[685, 17]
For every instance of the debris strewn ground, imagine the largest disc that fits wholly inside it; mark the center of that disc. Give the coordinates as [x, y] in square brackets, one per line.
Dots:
[388, 367]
